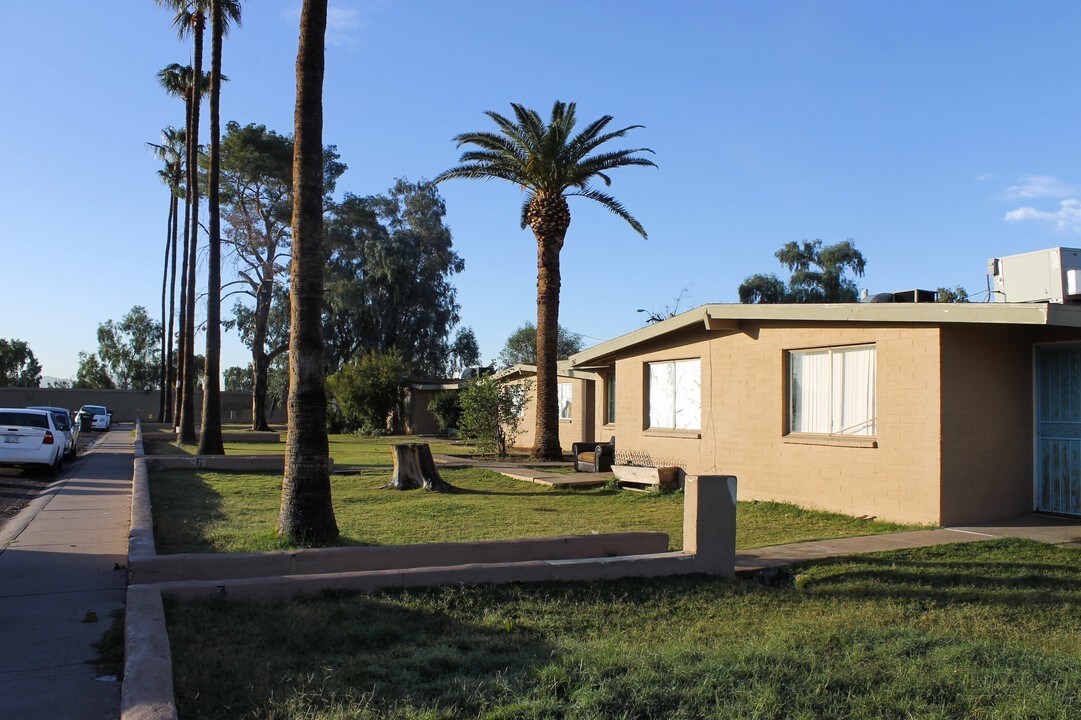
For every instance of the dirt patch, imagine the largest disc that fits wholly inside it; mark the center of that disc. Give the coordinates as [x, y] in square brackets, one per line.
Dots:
[17, 489]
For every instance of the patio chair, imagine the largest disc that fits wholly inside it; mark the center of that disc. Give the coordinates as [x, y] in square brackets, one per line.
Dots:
[593, 456]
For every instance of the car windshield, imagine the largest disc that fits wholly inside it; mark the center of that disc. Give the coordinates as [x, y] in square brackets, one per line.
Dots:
[94, 409]
[26, 419]
[61, 421]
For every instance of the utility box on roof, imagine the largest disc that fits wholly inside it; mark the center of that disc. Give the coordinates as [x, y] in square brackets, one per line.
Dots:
[1052, 275]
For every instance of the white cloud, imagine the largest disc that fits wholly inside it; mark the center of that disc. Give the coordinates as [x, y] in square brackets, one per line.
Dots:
[1040, 186]
[1066, 219]
[342, 25]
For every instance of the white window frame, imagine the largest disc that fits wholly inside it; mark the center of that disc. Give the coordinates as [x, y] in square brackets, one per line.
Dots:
[565, 400]
[687, 417]
[834, 405]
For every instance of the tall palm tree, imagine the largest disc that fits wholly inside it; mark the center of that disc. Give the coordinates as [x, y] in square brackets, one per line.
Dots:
[171, 152]
[307, 514]
[190, 17]
[178, 80]
[222, 12]
[551, 164]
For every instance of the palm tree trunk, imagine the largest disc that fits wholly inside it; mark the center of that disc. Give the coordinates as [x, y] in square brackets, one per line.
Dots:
[162, 385]
[182, 342]
[307, 514]
[186, 435]
[170, 367]
[210, 438]
[260, 361]
[549, 217]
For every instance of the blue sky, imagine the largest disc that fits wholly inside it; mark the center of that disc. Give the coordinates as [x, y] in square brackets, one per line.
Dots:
[934, 134]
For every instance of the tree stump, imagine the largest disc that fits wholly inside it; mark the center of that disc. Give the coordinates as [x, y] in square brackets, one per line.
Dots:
[414, 468]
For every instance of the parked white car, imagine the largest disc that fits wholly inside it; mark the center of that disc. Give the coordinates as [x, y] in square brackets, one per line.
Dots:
[67, 425]
[102, 418]
[30, 438]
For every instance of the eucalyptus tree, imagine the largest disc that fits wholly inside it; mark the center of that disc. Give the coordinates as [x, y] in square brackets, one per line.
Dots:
[256, 195]
[819, 274]
[222, 13]
[550, 163]
[171, 152]
[307, 513]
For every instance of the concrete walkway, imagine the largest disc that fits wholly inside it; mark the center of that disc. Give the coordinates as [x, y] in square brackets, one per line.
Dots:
[61, 559]
[1057, 531]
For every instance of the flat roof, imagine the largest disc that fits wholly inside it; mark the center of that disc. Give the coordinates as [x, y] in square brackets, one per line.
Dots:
[722, 316]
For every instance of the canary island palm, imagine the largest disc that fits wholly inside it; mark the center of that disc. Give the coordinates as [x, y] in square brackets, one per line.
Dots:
[550, 163]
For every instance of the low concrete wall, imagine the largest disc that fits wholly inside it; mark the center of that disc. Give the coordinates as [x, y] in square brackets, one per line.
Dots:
[127, 405]
[147, 690]
[324, 561]
[245, 463]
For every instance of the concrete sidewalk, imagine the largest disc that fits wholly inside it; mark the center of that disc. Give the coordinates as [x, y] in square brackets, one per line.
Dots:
[62, 558]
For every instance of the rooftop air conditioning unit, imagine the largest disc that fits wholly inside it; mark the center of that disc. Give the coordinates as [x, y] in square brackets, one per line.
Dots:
[1052, 275]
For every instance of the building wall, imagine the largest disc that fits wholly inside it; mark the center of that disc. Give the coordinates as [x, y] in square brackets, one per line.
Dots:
[129, 405]
[579, 428]
[744, 419]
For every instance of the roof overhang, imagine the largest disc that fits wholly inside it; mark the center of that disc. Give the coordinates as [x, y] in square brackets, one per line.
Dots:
[729, 317]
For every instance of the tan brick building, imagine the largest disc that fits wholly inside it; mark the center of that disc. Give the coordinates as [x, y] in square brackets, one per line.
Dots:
[918, 412]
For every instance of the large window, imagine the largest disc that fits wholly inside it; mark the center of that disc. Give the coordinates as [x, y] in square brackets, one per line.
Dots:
[675, 395]
[832, 391]
[563, 397]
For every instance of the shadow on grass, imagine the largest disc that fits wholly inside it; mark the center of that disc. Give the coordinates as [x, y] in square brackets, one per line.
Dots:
[929, 575]
[408, 653]
[185, 506]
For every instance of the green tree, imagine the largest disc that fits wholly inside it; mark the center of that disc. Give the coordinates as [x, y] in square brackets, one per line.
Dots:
[307, 513]
[129, 349]
[18, 366]
[955, 294]
[256, 196]
[390, 260]
[550, 163]
[237, 379]
[368, 391]
[92, 373]
[492, 413]
[464, 351]
[521, 346]
[446, 407]
[222, 13]
[819, 275]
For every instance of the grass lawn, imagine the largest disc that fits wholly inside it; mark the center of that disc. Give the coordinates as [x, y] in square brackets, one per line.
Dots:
[200, 511]
[345, 449]
[983, 630]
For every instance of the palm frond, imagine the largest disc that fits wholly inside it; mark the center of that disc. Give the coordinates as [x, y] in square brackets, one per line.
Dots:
[612, 204]
[475, 171]
[525, 208]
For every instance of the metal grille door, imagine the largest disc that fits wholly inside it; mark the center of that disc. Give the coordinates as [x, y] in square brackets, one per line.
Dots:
[1058, 429]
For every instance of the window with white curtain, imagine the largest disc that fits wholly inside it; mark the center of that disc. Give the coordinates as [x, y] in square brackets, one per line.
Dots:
[675, 395]
[563, 397]
[832, 391]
